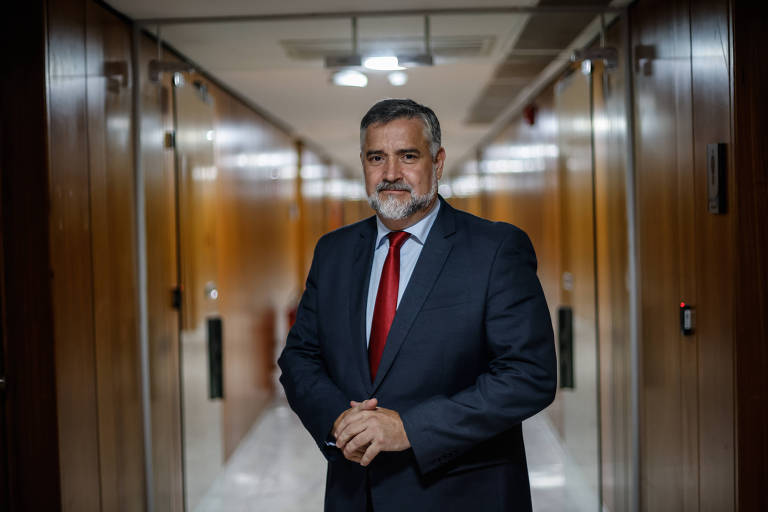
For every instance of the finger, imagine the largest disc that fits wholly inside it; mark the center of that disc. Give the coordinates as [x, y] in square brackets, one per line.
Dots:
[350, 431]
[339, 421]
[368, 405]
[349, 416]
[358, 444]
[356, 455]
[371, 453]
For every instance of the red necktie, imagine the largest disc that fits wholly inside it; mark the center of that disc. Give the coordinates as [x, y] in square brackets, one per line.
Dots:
[386, 300]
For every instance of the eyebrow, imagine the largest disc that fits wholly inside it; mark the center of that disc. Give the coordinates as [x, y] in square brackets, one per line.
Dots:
[399, 151]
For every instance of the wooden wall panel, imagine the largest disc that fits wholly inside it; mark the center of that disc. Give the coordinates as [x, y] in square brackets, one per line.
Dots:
[112, 196]
[71, 257]
[682, 55]
[162, 276]
[256, 256]
[32, 440]
[664, 177]
[750, 179]
[355, 210]
[714, 256]
[314, 185]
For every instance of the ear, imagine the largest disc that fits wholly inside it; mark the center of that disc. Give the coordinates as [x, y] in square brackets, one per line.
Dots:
[439, 163]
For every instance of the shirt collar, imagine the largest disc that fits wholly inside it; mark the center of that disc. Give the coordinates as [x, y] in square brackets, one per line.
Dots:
[418, 231]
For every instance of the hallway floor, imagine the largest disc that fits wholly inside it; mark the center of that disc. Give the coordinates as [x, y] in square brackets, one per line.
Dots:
[278, 468]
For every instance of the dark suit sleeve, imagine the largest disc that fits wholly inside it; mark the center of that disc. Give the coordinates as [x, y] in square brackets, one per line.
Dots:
[521, 377]
[310, 391]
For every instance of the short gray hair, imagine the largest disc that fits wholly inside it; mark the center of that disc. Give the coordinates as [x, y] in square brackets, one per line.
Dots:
[388, 110]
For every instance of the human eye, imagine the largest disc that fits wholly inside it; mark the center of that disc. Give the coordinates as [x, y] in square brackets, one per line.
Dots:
[410, 157]
[375, 159]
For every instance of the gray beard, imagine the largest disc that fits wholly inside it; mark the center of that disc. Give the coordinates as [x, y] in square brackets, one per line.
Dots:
[391, 208]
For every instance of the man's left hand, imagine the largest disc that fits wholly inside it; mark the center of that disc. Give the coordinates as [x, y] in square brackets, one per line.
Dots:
[363, 433]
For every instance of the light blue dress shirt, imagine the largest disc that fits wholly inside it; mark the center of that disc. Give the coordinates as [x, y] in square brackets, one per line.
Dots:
[409, 255]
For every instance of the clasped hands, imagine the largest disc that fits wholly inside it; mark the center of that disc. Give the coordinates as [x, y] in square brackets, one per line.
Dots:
[364, 430]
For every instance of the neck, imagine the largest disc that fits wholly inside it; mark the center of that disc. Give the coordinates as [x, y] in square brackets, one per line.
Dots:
[401, 224]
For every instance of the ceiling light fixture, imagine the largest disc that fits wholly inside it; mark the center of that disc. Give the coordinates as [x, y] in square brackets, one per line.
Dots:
[382, 63]
[420, 59]
[349, 78]
[397, 78]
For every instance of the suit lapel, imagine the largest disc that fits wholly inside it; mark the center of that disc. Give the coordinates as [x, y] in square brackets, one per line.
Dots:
[358, 298]
[431, 260]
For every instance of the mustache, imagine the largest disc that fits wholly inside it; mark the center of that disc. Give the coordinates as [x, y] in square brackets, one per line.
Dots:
[397, 185]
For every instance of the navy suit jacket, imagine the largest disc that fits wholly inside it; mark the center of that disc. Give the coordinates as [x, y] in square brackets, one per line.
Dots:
[469, 356]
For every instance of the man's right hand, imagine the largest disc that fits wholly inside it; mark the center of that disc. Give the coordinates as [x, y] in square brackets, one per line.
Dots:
[365, 405]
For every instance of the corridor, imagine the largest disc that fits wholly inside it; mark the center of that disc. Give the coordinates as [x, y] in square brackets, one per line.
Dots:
[168, 169]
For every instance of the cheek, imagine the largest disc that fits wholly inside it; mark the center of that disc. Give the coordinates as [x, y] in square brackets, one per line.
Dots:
[371, 180]
[421, 180]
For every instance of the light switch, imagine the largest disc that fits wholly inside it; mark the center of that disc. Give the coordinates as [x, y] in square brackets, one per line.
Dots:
[687, 319]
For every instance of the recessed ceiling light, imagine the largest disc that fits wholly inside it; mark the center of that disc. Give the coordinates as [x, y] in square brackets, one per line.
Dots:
[349, 78]
[383, 63]
[397, 78]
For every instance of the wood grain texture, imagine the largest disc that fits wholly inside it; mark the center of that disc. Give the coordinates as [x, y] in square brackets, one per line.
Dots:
[71, 257]
[113, 235]
[714, 257]
[665, 238]
[256, 258]
[314, 186]
[682, 53]
[31, 437]
[750, 179]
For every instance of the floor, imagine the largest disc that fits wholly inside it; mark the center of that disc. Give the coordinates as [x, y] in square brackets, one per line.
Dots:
[278, 468]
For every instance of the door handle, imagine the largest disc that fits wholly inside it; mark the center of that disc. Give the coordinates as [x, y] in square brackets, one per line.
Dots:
[565, 338]
[215, 359]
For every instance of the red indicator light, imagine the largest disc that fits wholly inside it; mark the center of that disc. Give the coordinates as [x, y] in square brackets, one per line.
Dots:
[682, 304]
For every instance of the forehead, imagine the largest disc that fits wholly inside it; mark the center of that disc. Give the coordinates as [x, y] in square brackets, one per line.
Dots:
[398, 132]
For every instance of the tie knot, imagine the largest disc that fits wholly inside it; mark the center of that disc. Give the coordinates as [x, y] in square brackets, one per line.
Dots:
[397, 239]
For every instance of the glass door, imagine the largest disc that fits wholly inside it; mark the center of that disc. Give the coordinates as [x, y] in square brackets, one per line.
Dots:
[196, 201]
[579, 424]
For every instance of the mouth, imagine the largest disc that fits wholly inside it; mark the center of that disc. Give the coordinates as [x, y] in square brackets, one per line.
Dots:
[393, 188]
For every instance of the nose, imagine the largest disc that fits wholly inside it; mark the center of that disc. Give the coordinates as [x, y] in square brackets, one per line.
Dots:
[392, 170]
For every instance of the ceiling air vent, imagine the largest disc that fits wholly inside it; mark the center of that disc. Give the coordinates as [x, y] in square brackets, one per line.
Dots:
[442, 46]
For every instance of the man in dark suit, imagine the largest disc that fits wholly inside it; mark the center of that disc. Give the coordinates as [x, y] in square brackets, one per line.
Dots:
[422, 340]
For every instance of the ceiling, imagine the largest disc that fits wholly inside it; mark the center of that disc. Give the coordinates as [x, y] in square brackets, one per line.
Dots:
[483, 62]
